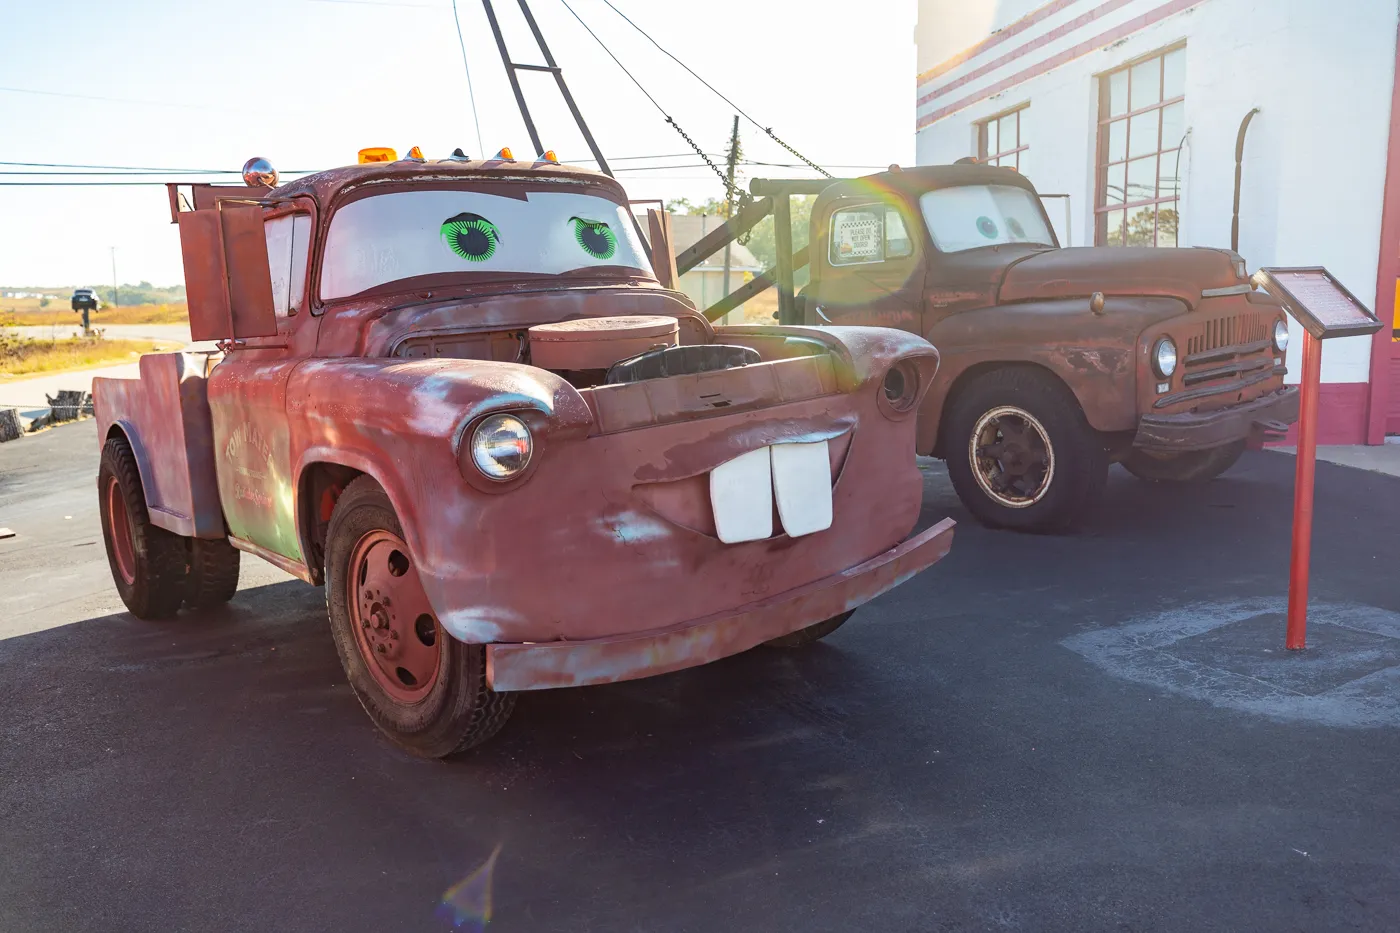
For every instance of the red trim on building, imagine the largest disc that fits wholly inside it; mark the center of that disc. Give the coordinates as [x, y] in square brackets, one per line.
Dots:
[1341, 414]
[1102, 39]
[994, 40]
[1383, 350]
[1058, 32]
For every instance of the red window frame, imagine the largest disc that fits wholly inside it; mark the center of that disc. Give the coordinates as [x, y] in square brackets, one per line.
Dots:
[1128, 212]
[1004, 155]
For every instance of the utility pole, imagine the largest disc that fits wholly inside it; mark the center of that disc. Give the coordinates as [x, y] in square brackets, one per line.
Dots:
[116, 295]
[731, 161]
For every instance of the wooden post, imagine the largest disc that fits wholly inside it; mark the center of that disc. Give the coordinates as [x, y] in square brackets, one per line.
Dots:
[663, 258]
[782, 239]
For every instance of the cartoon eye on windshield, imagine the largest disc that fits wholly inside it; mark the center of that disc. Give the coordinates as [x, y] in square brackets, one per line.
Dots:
[596, 237]
[987, 227]
[471, 236]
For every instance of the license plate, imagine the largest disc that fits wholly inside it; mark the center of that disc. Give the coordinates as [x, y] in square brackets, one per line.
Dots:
[744, 490]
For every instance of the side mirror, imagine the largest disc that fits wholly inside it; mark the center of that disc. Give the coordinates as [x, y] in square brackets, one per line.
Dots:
[228, 282]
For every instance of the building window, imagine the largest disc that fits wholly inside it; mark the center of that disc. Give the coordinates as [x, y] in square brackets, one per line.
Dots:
[1142, 120]
[1002, 141]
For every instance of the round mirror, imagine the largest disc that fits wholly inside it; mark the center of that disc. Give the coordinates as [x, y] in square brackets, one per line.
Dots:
[258, 172]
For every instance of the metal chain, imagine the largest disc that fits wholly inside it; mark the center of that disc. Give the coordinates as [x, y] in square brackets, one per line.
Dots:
[773, 136]
[723, 179]
[731, 190]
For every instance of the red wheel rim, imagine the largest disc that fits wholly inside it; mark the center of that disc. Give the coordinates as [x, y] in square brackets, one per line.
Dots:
[395, 629]
[122, 547]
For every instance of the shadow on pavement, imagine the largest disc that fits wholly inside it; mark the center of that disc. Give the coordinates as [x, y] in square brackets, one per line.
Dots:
[941, 763]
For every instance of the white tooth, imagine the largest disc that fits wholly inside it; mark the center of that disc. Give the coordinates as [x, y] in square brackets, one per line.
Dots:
[741, 494]
[802, 487]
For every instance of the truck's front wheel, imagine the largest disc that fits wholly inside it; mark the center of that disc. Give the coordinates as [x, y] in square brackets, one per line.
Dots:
[1021, 453]
[149, 565]
[424, 689]
[1189, 466]
[814, 632]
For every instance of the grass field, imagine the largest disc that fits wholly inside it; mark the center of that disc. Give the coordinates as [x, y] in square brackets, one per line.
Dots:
[26, 312]
[31, 357]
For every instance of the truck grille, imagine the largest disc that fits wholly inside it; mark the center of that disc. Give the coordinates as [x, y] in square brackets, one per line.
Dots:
[1226, 332]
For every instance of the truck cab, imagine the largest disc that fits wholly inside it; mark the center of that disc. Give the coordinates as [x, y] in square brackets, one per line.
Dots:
[456, 394]
[1056, 361]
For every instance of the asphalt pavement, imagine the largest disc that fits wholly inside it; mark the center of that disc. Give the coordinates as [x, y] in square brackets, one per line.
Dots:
[1093, 732]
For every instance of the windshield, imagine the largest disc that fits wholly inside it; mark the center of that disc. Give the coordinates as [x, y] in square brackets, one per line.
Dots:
[399, 235]
[970, 216]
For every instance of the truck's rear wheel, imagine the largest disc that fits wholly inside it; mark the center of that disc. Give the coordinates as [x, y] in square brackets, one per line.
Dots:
[1020, 452]
[814, 632]
[1188, 466]
[149, 565]
[424, 689]
[213, 573]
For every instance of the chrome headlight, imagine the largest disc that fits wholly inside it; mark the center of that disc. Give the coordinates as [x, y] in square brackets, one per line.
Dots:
[1164, 357]
[1281, 335]
[501, 446]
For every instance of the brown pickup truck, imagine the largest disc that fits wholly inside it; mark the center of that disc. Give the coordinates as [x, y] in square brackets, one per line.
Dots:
[1056, 362]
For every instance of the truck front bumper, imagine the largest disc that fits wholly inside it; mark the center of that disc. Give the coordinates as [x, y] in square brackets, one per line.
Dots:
[546, 665]
[1264, 416]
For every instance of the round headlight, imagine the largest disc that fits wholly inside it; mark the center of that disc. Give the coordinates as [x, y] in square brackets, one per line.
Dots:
[501, 446]
[1280, 335]
[901, 385]
[1164, 357]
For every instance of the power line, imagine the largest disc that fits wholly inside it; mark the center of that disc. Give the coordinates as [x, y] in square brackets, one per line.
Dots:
[766, 129]
[471, 95]
[139, 168]
[743, 195]
[118, 100]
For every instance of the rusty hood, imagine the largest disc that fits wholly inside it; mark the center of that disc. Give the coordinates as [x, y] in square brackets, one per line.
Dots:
[1123, 271]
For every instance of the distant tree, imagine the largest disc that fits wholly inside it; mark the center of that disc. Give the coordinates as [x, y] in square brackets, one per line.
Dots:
[714, 207]
[1140, 231]
[763, 241]
[43, 302]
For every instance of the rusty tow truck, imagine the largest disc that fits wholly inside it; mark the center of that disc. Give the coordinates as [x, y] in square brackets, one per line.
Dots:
[1056, 362]
[454, 393]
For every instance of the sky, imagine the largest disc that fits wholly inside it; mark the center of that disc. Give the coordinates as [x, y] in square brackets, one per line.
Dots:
[205, 84]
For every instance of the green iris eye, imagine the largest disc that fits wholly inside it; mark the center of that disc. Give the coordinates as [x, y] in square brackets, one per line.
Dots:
[471, 236]
[596, 238]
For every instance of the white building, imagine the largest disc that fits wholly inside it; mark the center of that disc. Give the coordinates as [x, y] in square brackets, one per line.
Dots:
[1132, 108]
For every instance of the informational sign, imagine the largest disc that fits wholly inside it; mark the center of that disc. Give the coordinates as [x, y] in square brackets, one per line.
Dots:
[856, 236]
[1320, 303]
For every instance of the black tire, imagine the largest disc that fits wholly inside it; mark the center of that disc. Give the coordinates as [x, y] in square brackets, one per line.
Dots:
[460, 711]
[1071, 457]
[814, 632]
[213, 573]
[1189, 466]
[158, 561]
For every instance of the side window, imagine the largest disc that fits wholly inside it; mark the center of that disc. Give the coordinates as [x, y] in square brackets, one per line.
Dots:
[288, 247]
[871, 233]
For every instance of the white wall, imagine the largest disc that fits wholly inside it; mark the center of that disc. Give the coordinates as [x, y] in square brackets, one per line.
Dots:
[1314, 167]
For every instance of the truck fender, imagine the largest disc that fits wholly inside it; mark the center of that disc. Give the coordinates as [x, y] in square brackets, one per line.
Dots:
[165, 417]
[308, 510]
[401, 421]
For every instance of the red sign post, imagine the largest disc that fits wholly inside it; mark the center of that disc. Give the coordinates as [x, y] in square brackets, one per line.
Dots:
[1325, 309]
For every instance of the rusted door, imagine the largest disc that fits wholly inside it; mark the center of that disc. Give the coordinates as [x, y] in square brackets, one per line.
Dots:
[868, 265]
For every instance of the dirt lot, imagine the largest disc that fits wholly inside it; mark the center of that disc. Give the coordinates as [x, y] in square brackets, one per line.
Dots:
[1098, 732]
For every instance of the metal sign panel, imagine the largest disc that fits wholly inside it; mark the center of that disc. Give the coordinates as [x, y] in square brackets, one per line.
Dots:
[1320, 303]
[249, 277]
[206, 292]
[227, 280]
